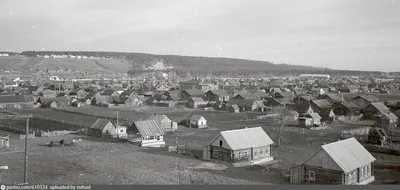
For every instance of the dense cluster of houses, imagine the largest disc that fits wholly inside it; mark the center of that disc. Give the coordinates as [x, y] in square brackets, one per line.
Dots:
[313, 100]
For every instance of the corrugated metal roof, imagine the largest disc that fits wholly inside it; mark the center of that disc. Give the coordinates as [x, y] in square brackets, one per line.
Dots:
[348, 154]
[149, 128]
[246, 138]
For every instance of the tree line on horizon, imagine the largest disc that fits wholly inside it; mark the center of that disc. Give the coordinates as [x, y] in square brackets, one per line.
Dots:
[195, 66]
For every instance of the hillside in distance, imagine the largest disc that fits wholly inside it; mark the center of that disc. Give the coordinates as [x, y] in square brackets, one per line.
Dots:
[141, 63]
[182, 65]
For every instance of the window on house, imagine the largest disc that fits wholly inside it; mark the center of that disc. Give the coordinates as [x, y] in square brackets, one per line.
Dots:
[121, 131]
[158, 138]
[220, 143]
[151, 138]
[107, 132]
[311, 175]
[239, 155]
[245, 154]
[261, 151]
[361, 172]
[215, 153]
[255, 152]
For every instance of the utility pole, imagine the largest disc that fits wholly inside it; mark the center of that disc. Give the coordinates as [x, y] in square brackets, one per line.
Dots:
[26, 151]
[117, 125]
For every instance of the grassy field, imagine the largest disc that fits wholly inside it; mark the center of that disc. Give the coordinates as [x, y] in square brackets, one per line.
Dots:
[83, 65]
[93, 162]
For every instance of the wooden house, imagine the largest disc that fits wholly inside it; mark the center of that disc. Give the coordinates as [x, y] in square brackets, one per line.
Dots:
[387, 119]
[197, 121]
[81, 94]
[35, 90]
[109, 92]
[365, 100]
[246, 96]
[173, 97]
[286, 95]
[196, 102]
[374, 110]
[304, 100]
[217, 95]
[332, 98]
[248, 105]
[149, 133]
[49, 93]
[166, 123]
[234, 108]
[344, 162]
[347, 109]
[320, 105]
[310, 120]
[241, 147]
[102, 128]
[187, 94]
[303, 109]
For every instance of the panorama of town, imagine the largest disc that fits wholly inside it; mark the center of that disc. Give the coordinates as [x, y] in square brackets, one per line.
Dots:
[68, 123]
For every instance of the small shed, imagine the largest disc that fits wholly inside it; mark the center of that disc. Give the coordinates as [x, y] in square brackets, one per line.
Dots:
[102, 128]
[197, 121]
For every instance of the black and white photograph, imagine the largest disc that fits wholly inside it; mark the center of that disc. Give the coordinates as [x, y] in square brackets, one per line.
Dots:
[199, 92]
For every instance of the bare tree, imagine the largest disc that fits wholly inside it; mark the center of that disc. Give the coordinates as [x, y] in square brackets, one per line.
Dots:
[280, 120]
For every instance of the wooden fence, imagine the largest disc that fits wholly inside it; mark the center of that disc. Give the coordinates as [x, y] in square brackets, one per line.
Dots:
[5, 142]
[390, 148]
[361, 134]
[56, 133]
[30, 136]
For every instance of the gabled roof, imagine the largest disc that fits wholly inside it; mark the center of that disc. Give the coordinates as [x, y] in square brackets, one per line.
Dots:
[302, 108]
[379, 106]
[307, 98]
[246, 138]
[322, 103]
[33, 88]
[315, 116]
[285, 94]
[235, 106]
[348, 154]
[194, 81]
[159, 118]
[248, 96]
[194, 92]
[107, 92]
[334, 97]
[219, 93]
[174, 96]
[368, 98]
[149, 128]
[390, 116]
[197, 100]
[196, 117]
[100, 124]
[351, 105]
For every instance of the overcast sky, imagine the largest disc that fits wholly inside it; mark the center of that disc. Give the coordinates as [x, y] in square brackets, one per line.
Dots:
[339, 34]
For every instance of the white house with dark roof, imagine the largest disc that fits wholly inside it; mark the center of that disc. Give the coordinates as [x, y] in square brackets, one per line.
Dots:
[344, 162]
[241, 147]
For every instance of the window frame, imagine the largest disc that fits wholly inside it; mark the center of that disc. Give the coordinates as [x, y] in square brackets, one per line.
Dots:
[215, 153]
[311, 173]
